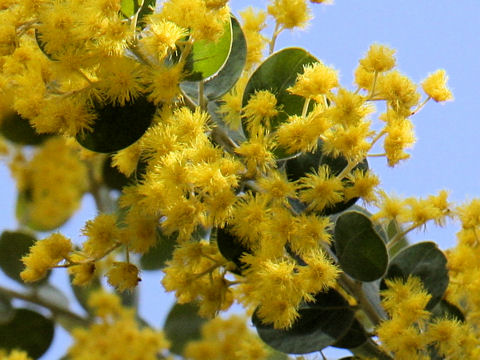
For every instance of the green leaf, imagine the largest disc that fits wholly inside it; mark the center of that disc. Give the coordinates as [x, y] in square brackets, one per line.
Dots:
[41, 45]
[320, 324]
[23, 210]
[426, 261]
[28, 331]
[183, 325]
[444, 309]
[208, 57]
[226, 78]
[6, 310]
[354, 337]
[117, 127]
[372, 293]
[112, 177]
[13, 246]
[17, 129]
[130, 8]
[307, 163]
[277, 73]
[361, 251]
[158, 255]
[369, 349]
[231, 248]
[393, 228]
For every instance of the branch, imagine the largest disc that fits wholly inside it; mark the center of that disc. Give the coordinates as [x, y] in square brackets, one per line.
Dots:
[55, 309]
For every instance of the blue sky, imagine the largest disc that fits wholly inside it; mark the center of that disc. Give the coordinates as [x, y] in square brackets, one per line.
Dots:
[428, 35]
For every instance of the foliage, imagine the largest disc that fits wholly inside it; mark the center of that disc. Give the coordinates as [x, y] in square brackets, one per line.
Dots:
[238, 176]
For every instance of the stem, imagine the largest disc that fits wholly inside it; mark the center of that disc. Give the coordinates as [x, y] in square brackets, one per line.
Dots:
[378, 137]
[201, 96]
[400, 235]
[186, 50]
[90, 82]
[55, 309]
[276, 32]
[135, 20]
[347, 169]
[377, 155]
[420, 107]
[372, 90]
[305, 107]
[356, 290]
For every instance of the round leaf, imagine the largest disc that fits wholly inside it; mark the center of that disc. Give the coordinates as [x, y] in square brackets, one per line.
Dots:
[354, 337]
[361, 251]
[320, 324]
[113, 178]
[219, 84]
[158, 255]
[277, 73]
[28, 331]
[426, 261]
[183, 325]
[13, 246]
[18, 130]
[444, 309]
[117, 127]
[231, 248]
[208, 57]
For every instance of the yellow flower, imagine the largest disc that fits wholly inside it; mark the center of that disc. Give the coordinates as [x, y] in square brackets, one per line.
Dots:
[399, 91]
[379, 59]
[102, 233]
[226, 339]
[126, 160]
[123, 276]
[257, 152]
[253, 24]
[302, 133]
[400, 136]
[260, 109]
[116, 334]
[307, 232]
[390, 207]
[317, 79]
[277, 187]
[435, 86]
[351, 142]
[161, 37]
[290, 13]
[349, 108]
[406, 299]
[163, 83]
[120, 79]
[14, 355]
[320, 189]
[364, 185]
[44, 255]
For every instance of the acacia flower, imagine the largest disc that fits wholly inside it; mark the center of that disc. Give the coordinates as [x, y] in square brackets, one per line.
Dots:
[435, 86]
[317, 79]
[379, 58]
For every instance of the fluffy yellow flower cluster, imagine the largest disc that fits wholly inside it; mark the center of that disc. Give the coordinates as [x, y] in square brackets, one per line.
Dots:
[411, 330]
[51, 184]
[14, 355]
[115, 334]
[226, 339]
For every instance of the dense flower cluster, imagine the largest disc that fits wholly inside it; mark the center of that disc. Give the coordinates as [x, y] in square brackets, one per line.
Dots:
[249, 223]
